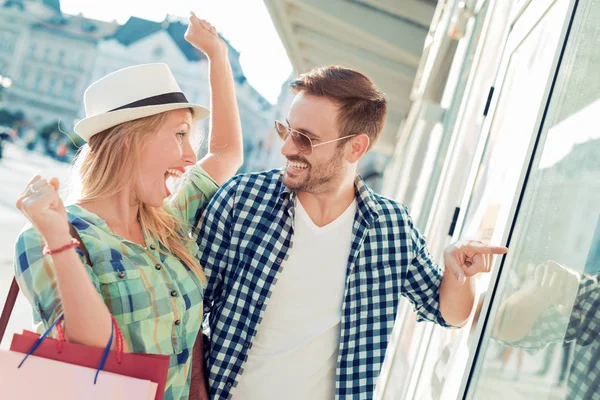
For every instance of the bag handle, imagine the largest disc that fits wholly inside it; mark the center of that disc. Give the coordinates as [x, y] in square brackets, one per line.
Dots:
[13, 292]
[9, 304]
[114, 330]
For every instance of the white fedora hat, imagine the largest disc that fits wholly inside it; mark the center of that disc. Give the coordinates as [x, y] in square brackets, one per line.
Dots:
[132, 93]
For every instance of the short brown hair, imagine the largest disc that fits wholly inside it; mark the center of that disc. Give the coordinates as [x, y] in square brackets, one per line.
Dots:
[362, 106]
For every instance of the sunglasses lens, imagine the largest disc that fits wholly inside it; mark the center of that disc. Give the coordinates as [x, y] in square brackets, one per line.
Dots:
[302, 142]
[281, 130]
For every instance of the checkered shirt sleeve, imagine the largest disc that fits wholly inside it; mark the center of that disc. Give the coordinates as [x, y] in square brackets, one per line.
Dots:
[36, 277]
[584, 325]
[423, 277]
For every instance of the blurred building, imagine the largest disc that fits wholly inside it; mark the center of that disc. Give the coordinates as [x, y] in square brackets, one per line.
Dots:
[141, 41]
[52, 57]
[49, 57]
[268, 153]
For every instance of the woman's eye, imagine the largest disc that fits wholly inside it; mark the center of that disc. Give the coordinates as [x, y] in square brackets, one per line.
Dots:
[180, 135]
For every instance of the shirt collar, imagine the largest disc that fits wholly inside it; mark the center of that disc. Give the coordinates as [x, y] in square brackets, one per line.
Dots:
[368, 206]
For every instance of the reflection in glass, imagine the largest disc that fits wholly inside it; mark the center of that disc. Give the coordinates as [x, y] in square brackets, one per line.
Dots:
[549, 306]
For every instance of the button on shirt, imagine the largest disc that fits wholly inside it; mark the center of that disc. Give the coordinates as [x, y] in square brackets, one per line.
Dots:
[155, 298]
[250, 225]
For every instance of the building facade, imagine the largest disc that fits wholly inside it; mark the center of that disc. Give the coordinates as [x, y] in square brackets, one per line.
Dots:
[52, 57]
[49, 57]
[268, 153]
[141, 41]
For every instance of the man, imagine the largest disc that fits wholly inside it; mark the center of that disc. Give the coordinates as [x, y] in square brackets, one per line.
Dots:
[306, 264]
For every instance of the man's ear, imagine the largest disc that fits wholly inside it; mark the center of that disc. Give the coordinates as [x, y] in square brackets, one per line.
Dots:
[358, 147]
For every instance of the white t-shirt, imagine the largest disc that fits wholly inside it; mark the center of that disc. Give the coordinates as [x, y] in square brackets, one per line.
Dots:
[295, 351]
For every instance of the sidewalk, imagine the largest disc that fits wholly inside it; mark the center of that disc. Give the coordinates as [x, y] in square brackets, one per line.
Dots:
[16, 169]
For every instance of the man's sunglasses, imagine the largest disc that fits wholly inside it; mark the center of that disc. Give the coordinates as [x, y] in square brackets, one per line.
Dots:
[301, 140]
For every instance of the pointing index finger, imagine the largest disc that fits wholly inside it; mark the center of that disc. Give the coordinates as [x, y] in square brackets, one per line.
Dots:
[488, 249]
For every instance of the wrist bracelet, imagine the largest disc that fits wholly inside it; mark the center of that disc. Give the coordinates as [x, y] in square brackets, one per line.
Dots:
[47, 251]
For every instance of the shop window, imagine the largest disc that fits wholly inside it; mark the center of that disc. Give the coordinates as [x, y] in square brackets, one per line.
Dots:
[543, 333]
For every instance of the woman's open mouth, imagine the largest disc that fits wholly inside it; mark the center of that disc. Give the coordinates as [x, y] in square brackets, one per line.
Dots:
[171, 177]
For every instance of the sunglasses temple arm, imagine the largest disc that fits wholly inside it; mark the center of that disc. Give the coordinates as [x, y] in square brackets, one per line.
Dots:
[331, 141]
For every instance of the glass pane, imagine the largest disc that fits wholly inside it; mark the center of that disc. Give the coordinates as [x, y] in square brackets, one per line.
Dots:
[405, 352]
[545, 322]
[511, 132]
[516, 113]
[467, 51]
[470, 121]
[447, 353]
[512, 127]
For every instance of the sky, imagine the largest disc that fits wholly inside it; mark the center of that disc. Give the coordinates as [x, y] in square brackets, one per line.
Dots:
[246, 24]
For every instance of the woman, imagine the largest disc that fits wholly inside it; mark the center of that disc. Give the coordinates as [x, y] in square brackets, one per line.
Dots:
[141, 267]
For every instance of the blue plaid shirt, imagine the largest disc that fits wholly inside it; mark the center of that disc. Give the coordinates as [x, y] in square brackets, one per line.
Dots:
[245, 236]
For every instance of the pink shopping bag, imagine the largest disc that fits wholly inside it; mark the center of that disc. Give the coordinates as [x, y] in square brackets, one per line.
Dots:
[42, 378]
[39, 366]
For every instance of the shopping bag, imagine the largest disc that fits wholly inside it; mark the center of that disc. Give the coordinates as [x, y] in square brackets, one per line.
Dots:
[148, 370]
[42, 378]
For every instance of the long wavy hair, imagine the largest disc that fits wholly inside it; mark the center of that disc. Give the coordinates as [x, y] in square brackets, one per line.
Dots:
[106, 166]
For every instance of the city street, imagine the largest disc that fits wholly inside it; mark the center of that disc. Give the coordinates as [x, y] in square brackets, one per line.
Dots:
[16, 168]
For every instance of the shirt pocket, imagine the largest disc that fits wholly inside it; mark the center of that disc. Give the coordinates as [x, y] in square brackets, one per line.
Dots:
[379, 294]
[124, 291]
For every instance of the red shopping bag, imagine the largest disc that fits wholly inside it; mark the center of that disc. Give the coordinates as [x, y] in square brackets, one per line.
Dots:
[152, 367]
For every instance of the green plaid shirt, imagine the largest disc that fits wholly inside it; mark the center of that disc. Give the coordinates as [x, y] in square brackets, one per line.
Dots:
[155, 298]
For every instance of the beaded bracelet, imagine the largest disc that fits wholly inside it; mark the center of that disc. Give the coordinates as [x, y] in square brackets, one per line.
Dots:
[73, 243]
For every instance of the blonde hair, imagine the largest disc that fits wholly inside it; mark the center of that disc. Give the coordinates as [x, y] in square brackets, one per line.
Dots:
[105, 165]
